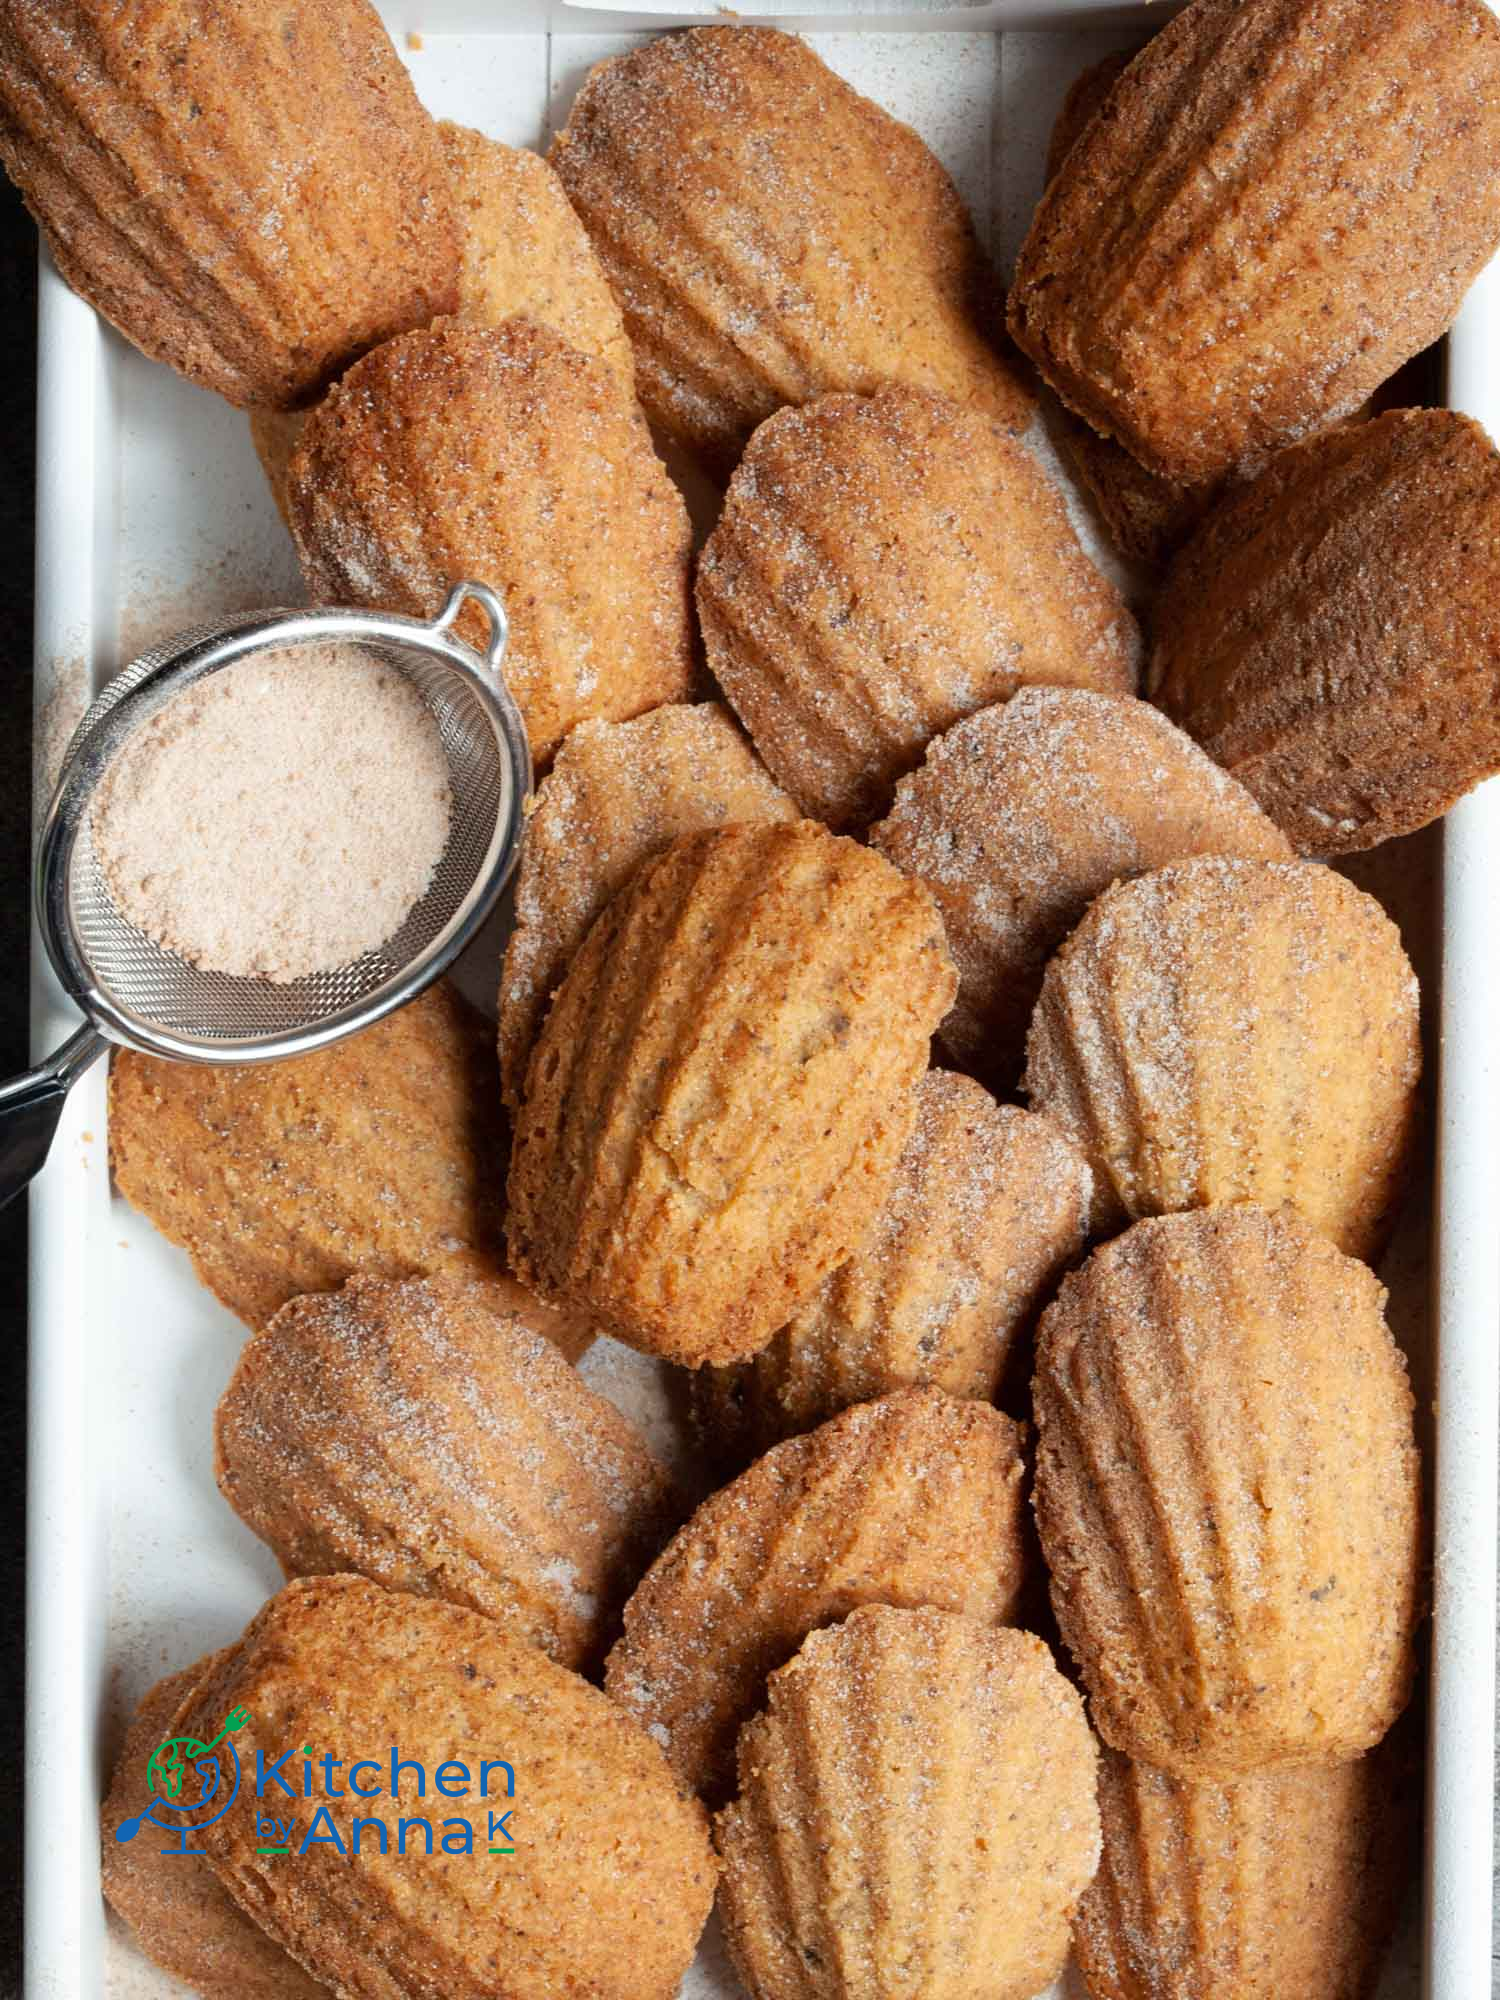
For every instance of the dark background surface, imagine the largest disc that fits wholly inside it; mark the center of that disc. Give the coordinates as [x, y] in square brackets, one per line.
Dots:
[18, 430]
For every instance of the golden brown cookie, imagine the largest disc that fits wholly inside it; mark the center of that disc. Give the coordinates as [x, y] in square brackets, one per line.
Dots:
[1146, 517]
[916, 1815]
[1024, 813]
[884, 565]
[484, 1471]
[1274, 208]
[772, 234]
[1258, 1889]
[719, 1095]
[987, 1210]
[1234, 1031]
[178, 1914]
[612, 1873]
[384, 1153]
[914, 1499]
[1228, 1494]
[617, 794]
[253, 197]
[522, 249]
[1332, 633]
[505, 455]
[1086, 93]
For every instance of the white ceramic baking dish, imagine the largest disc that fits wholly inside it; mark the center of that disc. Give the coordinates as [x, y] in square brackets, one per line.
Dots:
[151, 514]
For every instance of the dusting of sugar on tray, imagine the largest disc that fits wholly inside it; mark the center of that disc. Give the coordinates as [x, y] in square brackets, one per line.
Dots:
[281, 818]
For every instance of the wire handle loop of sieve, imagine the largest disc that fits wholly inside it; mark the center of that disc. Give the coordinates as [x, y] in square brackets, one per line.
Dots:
[494, 610]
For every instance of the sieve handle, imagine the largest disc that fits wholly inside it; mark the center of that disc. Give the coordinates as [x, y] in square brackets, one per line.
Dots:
[489, 602]
[31, 1105]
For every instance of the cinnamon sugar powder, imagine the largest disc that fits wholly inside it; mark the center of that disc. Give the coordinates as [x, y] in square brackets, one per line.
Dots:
[279, 819]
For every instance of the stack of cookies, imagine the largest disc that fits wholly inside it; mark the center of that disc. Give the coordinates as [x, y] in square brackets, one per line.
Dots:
[939, 1046]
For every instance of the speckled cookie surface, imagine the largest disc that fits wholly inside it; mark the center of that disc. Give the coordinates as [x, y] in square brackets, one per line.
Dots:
[718, 1098]
[914, 1499]
[1227, 1492]
[402, 1429]
[1274, 207]
[988, 1208]
[884, 565]
[612, 1874]
[771, 234]
[916, 1814]
[1224, 1030]
[250, 193]
[1332, 632]
[384, 1153]
[617, 794]
[503, 454]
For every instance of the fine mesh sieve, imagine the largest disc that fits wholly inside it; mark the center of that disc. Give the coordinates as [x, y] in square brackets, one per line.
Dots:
[133, 992]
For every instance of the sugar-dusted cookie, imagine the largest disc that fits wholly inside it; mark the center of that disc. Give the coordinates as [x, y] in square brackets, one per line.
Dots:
[1228, 1494]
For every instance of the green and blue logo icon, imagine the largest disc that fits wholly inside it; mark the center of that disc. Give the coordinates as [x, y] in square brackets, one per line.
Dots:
[192, 1784]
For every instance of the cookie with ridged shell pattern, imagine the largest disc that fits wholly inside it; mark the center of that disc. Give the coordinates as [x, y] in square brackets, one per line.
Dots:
[1224, 1030]
[913, 1499]
[1022, 814]
[505, 454]
[403, 1430]
[772, 234]
[612, 1875]
[883, 566]
[1331, 634]
[716, 1104]
[1277, 1884]
[1197, 283]
[253, 198]
[382, 1153]
[617, 794]
[1228, 1495]
[916, 1814]
[988, 1208]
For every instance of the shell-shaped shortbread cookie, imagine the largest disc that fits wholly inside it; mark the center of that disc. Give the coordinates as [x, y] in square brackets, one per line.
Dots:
[254, 197]
[884, 565]
[504, 454]
[987, 1210]
[485, 1471]
[1228, 1494]
[1144, 515]
[1023, 814]
[617, 794]
[1227, 1030]
[719, 1095]
[916, 1816]
[771, 234]
[384, 1153]
[178, 1914]
[914, 1499]
[521, 250]
[1332, 632]
[612, 1874]
[1275, 207]
[1264, 1888]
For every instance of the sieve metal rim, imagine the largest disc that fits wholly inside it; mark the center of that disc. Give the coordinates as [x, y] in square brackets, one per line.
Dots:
[145, 686]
